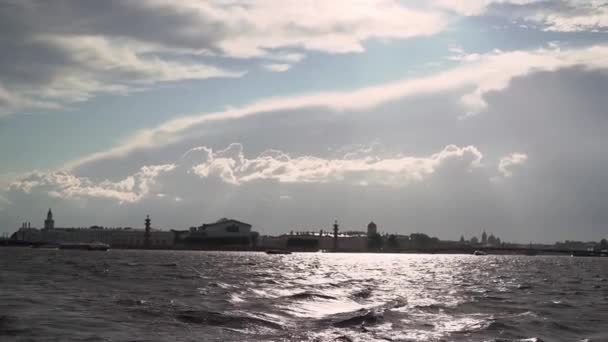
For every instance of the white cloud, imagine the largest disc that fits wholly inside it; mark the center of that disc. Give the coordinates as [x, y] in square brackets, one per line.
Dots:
[508, 163]
[330, 26]
[277, 67]
[291, 57]
[233, 167]
[556, 15]
[124, 58]
[119, 47]
[65, 185]
[230, 166]
[575, 15]
[474, 7]
[93, 65]
[11, 101]
[486, 73]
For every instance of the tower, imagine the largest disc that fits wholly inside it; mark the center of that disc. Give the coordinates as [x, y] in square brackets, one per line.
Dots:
[372, 230]
[484, 238]
[336, 236]
[49, 223]
[147, 232]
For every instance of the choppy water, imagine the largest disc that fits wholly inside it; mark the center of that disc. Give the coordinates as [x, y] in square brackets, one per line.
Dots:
[55, 295]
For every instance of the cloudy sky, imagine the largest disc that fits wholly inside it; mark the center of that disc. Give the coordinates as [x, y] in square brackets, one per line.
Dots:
[445, 117]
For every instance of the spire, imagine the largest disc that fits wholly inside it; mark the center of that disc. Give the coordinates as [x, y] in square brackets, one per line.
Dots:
[49, 223]
[147, 232]
[336, 235]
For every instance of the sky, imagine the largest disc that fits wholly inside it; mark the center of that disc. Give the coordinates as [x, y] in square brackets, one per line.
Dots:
[445, 117]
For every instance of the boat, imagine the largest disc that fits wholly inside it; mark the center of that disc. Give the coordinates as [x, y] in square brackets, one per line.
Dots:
[478, 252]
[95, 246]
[277, 251]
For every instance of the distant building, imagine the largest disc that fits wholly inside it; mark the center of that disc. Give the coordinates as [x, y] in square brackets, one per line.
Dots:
[341, 240]
[484, 238]
[115, 237]
[49, 223]
[225, 233]
[372, 229]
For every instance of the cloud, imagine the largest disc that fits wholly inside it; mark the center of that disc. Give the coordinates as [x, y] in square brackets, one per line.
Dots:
[230, 166]
[65, 185]
[117, 47]
[476, 77]
[556, 118]
[68, 51]
[475, 7]
[51, 71]
[334, 27]
[508, 163]
[277, 67]
[571, 16]
[550, 15]
[291, 57]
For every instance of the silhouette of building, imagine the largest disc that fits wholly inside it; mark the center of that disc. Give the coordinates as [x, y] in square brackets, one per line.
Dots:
[372, 229]
[49, 223]
[484, 238]
[115, 237]
[224, 233]
[147, 232]
[336, 235]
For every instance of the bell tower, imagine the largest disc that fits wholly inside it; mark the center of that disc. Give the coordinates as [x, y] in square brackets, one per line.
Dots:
[49, 223]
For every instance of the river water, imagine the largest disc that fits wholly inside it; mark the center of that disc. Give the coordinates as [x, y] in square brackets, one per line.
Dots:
[67, 295]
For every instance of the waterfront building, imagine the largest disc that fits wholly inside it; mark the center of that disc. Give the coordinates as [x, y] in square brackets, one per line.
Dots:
[115, 237]
[49, 223]
[224, 233]
[372, 229]
[484, 238]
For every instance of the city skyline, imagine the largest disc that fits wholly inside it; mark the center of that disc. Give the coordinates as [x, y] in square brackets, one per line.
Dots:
[444, 118]
[485, 237]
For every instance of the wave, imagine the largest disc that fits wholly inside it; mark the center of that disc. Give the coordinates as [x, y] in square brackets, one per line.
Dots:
[168, 264]
[308, 295]
[130, 302]
[499, 326]
[223, 319]
[557, 326]
[362, 294]
[527, 339]
[361, 318]
[8, 326]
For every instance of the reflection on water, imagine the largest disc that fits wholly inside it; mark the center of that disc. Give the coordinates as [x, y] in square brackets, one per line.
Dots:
[201, 296]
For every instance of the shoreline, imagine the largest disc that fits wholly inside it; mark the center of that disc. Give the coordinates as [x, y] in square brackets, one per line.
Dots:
[463, 251]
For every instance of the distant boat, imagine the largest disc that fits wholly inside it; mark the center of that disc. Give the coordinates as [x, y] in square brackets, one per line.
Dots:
[95, 246]
[277, 251]
[478, 252]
